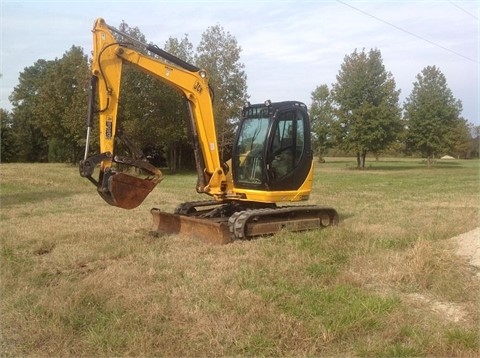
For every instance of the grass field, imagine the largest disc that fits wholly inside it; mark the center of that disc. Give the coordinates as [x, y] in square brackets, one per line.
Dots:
[81, 278]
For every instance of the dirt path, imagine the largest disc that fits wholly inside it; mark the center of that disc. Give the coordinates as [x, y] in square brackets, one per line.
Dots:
[468, 246]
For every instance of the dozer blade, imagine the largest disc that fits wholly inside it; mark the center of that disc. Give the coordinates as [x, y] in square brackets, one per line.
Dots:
[126, 191]
[210, 231]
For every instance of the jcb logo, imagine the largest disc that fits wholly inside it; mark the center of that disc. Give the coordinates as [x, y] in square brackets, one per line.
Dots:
[198, 87]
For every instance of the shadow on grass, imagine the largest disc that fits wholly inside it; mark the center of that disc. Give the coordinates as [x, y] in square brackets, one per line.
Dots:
[405, 166]
[395, 165]
[342, 216]
[33, 197]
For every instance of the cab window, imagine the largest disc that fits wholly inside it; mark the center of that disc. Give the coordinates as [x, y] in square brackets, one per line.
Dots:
[287, 146]
[250, 150]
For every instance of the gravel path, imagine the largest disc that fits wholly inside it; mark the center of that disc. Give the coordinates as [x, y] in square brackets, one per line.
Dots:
[468, 246]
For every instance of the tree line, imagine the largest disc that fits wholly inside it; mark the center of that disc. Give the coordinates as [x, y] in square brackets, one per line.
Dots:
[360, 114]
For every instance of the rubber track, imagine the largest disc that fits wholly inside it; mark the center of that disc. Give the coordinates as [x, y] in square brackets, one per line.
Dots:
[240, 217]
[238, 221]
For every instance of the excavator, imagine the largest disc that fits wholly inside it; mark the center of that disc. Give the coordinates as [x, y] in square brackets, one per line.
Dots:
[253, 194]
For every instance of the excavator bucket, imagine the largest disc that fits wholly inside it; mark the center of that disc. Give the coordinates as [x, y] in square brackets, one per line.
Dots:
[128, 191]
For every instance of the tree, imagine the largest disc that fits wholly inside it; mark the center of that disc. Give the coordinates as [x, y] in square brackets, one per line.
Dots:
[461, 139]
[62, 108]
[138, 102]
[8, 144]
[32, 144]
[219, 54]
[152, 113]
[7, 137]
[178, 139]
[323, 120]
[475, 148]
[49, 108]
[366, 105]
[432, 114]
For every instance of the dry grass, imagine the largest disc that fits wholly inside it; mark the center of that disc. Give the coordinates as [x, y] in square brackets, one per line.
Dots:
[80, 278]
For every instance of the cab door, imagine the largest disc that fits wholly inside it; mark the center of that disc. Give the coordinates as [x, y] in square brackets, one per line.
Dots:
[289, 155]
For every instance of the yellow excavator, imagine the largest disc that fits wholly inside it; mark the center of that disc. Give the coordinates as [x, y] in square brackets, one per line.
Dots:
[272, 159]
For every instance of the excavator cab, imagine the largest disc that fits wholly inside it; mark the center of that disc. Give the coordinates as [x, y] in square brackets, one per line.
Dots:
[272, 150]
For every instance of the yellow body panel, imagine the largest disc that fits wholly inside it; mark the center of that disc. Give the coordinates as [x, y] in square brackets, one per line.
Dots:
[109, 73]
[301, 194]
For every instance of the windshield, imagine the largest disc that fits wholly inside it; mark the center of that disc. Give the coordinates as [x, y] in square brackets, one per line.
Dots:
[250, 150]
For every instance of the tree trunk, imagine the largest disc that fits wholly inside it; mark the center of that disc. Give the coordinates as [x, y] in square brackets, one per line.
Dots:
[180, 164]
[431, 159]
[361, 159]
[173, 158]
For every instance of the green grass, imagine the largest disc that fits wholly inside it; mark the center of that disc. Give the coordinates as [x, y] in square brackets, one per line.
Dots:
[82, 278]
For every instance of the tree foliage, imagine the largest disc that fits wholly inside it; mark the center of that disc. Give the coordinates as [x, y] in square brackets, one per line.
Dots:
[367, 107]
[432, 115]
[219, 54]
[322, 120]
[49, 108]
[61, 112]
[176, 125]
[151, 113]
[25, 98]
[8, 143]
[155, 116]
[359, 114]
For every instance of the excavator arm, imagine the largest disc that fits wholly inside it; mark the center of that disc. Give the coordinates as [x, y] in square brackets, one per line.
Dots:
[122, 189]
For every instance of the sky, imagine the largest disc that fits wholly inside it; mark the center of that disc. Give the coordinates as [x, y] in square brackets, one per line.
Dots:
[288, 47]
